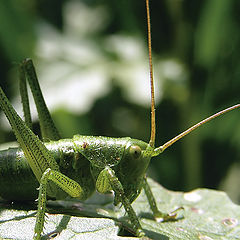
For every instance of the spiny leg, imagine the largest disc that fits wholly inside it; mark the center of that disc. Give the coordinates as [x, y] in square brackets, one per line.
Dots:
[24, 97]
[38, 157]
[48, 128]
[107, 181]
[65, 183]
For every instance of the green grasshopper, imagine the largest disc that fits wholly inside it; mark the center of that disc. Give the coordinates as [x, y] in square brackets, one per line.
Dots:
[77, 167]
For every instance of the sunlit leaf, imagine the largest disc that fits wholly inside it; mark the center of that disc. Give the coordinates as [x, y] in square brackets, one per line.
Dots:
[207, 214]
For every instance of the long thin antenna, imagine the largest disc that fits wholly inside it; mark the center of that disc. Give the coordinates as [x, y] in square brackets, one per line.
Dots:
[153, 125]
[170, 142]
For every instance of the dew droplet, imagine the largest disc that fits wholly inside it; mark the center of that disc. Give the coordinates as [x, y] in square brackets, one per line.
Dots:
[203, 237]
[53, 235]
[192, 197]
[197, 210]
[181, 229]
[230, 222]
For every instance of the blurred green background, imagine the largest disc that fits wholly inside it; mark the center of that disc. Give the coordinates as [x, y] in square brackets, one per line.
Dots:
[92, 63]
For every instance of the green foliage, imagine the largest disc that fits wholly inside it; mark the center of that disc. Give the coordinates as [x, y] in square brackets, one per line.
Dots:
[16, 31]
[207, 214]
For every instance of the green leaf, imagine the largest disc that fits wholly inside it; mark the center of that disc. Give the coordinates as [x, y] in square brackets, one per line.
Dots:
[207, 214]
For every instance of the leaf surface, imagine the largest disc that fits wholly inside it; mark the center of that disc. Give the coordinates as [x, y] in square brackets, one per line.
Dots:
[207, 215]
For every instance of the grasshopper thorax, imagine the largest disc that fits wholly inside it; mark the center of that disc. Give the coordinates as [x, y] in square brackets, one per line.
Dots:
[107, 151]
[128, 157]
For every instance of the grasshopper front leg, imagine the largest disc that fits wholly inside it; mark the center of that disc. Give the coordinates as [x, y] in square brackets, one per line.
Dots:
[108, 181]
[158, 215]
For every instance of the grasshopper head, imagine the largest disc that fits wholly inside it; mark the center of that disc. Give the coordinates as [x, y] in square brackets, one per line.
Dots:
[133, 166]
[136, 157]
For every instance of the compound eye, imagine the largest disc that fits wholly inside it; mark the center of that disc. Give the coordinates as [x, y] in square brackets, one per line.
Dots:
[135, 151]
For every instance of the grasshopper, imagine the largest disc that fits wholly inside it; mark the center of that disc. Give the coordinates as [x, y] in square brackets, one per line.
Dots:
[77, 167]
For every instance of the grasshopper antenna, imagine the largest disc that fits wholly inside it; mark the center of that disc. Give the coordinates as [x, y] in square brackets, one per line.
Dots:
[160, 149]
[153, 124]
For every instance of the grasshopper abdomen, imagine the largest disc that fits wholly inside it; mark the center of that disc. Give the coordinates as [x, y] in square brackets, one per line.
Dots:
[17, 181]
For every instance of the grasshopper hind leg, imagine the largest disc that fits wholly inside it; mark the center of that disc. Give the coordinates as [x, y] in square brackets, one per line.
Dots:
[65, 183]
[48, 129]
